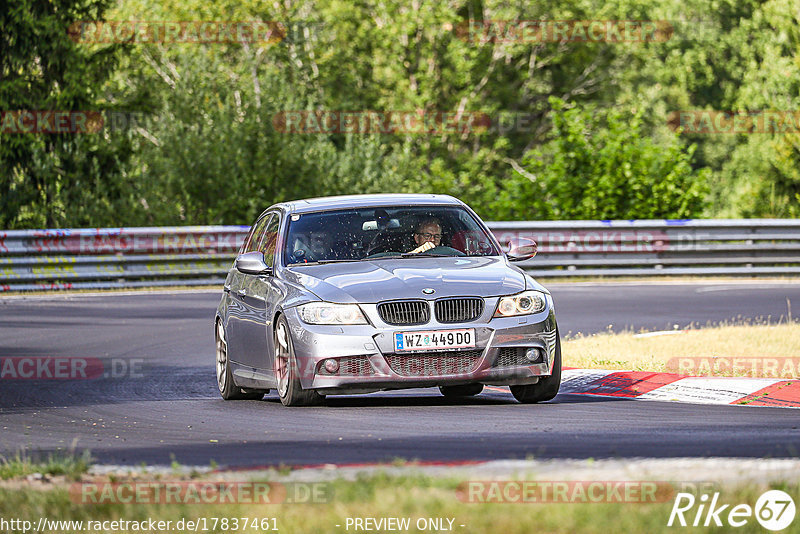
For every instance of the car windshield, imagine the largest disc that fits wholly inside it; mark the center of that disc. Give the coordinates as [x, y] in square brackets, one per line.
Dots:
[374, 233]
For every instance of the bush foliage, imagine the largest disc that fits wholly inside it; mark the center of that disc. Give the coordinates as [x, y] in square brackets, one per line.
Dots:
[574, 130]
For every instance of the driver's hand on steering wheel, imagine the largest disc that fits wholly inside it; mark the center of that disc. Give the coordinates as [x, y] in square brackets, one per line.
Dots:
[423, 247]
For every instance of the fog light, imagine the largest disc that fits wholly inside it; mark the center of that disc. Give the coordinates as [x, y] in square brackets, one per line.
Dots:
[331, 365]
[533, 354]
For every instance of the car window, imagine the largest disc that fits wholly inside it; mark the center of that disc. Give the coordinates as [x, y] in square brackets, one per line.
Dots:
[357, 234]
[247, 239]
[256, 234]
[270, 240]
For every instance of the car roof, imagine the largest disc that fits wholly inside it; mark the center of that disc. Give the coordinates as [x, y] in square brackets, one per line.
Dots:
[361, 201]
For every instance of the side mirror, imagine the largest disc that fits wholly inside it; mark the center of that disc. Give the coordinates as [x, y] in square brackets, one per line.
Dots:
[252, 263]
[521, 249]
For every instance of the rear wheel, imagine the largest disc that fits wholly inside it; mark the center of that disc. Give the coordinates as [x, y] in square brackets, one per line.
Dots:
[227, 387]
[290, 391]
[547, 387]
[467, 390]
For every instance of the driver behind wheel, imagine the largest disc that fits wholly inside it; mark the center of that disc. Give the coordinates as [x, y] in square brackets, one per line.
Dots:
[427, 235]
[311, 246]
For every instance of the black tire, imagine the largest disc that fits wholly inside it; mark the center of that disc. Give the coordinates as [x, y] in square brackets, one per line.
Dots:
[547, 387]
[290, 391]
[466, 390]
[227, 387]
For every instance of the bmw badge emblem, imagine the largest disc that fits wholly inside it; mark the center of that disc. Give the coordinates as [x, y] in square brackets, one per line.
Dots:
[429, 291]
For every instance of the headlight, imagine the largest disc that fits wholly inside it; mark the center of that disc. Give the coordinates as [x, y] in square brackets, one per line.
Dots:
[524, 303]
[329, 313]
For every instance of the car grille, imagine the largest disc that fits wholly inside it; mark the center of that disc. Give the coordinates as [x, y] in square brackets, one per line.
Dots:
[350, 366]
[355, 366]
[458, 310]
[434, 363]
[405, 312]
[513, 357]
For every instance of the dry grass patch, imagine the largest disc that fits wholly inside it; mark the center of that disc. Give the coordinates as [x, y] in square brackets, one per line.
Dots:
[770, 351]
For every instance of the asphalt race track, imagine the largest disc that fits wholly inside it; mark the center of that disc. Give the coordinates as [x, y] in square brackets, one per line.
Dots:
[160, 402]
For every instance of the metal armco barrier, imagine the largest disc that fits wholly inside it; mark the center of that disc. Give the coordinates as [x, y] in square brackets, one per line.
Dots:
[117, 257]
[200, 255]
[660, 247]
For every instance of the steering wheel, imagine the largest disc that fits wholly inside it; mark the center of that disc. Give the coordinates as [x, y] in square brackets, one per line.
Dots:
[300, 256]
[381, 254]
[447, 251]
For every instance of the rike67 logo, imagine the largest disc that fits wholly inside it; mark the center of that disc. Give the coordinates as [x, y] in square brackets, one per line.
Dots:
[774, 510]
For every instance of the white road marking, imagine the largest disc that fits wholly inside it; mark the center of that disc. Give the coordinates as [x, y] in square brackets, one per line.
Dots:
[708, 390]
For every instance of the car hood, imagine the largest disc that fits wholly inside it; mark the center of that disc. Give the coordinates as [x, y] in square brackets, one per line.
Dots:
[377, 280]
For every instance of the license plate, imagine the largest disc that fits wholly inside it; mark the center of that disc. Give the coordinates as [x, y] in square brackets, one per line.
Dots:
[434, 339]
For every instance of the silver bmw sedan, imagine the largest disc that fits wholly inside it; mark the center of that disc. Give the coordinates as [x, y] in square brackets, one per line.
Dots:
[363, 293]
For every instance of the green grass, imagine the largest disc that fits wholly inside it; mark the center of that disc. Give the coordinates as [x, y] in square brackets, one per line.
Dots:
[382, 495]
[69, 465]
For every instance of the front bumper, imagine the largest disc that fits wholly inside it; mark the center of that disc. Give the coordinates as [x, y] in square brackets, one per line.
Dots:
[368, 361]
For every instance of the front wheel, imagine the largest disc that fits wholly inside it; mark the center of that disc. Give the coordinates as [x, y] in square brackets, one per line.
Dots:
[227, 387]
[547, 387]
[290, 391]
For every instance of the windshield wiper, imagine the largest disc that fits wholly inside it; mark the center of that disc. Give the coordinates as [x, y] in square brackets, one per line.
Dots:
[321, 262]
[428, 254]
[386, 257]
[407, 255]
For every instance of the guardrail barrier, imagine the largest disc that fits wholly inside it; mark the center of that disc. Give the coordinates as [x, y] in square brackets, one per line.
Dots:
[201, 255]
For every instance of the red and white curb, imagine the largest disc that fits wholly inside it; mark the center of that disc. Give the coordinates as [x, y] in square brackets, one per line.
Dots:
[646, 385]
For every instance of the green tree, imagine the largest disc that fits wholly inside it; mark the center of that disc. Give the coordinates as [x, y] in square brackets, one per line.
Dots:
[740, 56]
[762, 175]
[207, 151]
[599, 165]
[52, 180]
